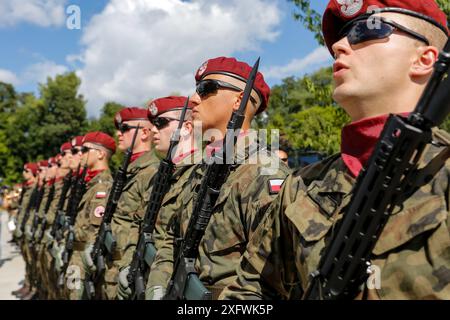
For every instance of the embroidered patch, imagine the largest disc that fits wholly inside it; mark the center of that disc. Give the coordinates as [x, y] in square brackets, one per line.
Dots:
[99, 211]
[350, 7]
[100, 195]
[153, 109]
[275, 185]
[202, 69]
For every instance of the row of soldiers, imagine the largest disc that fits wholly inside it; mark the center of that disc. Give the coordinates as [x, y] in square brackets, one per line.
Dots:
[180, 221]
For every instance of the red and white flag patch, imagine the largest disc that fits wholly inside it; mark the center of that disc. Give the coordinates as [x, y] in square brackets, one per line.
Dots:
[275, 185]
[99, 211]
[100, 195]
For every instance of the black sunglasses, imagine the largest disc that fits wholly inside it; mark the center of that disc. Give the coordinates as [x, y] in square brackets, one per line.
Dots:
[74, 151]
[123, 127]
[85, 149]
[361, 30]
[210, 86]
[162, 122]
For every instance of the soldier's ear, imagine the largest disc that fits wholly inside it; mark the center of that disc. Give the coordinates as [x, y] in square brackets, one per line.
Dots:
[424, 62]
[238, 100]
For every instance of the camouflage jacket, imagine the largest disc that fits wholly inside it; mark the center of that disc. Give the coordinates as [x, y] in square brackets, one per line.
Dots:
[92, 207]
[51, 214]
[25, 202]
[241, 204]
[412, 253]
[131, 205]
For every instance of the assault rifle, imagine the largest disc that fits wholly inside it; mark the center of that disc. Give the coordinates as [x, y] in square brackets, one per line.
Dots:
[145, 250]
[390, 176]
[184, 283]
[104, 242]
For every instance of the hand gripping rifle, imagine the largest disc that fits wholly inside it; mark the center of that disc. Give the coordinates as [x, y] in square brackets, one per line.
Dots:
[390, 176]
[104, 242]
[145, 251]
[184, 283]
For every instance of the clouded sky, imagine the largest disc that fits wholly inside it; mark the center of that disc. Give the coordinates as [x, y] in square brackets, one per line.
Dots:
[129, 51]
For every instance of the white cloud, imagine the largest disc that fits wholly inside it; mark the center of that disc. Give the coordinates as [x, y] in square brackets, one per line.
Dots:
[43, 13]
[9, 77]
[38, 72]
[138, 49]
[318, 58]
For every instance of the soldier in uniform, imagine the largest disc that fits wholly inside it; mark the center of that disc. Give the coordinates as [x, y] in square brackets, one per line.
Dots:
[62, 171]
[245, 195]
[97, 149]
[143, 166]
[164, 114]
[377, 71]
[30, 172]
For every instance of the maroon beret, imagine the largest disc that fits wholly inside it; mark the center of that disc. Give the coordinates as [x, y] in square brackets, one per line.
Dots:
[236, 69]
[65, 146]
[43, 163]
[31, 166]
[101, 139]
[339, 12]
[166, 104]
[130, 114]
[77, 141]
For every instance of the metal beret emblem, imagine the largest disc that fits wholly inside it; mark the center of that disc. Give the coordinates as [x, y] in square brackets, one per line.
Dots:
[153, 109]
[350, 7]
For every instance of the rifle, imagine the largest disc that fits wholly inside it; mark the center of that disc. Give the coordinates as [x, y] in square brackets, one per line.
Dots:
[145, 251]
[104, 242]
[62, 200]
[51, 195]
[61, 221]
[390, 176]
[31, 204]
[71, 217]
[184, 283]
[36, 219]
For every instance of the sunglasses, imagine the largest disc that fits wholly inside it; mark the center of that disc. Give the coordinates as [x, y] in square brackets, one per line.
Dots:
[162, 122]
[123, 127]
[85, 149]
[210, 86]
[361, 30]
[74, 151]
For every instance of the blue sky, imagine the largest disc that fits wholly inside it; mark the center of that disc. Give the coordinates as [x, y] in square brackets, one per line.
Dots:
[131, 51]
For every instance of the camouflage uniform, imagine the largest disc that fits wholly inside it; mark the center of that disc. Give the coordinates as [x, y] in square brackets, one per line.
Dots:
[49, 277]
[89, 218]
[413, 251]
[241, 204]
[131, 206]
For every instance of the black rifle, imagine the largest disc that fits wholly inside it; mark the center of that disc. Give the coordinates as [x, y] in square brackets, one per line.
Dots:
[70, 220]
[36, 219]
[184, 283]
[22, 193]
[30, 205]
[390, 176]
[61, 201]
[51, 195]
[104, 242]
[61, 221]
[145, 250]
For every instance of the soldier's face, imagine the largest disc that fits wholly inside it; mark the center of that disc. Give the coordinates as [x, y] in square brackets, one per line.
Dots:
[42, 172]
[51, 172]
[214, 110]
[372, 70]
[75, 159]
[27, 174]
[126, 138]
[161, 137]
[65, 159]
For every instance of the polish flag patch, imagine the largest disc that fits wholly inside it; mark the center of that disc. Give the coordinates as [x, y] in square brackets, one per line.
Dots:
[100, 195]
[99, 211]
[275, 185]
